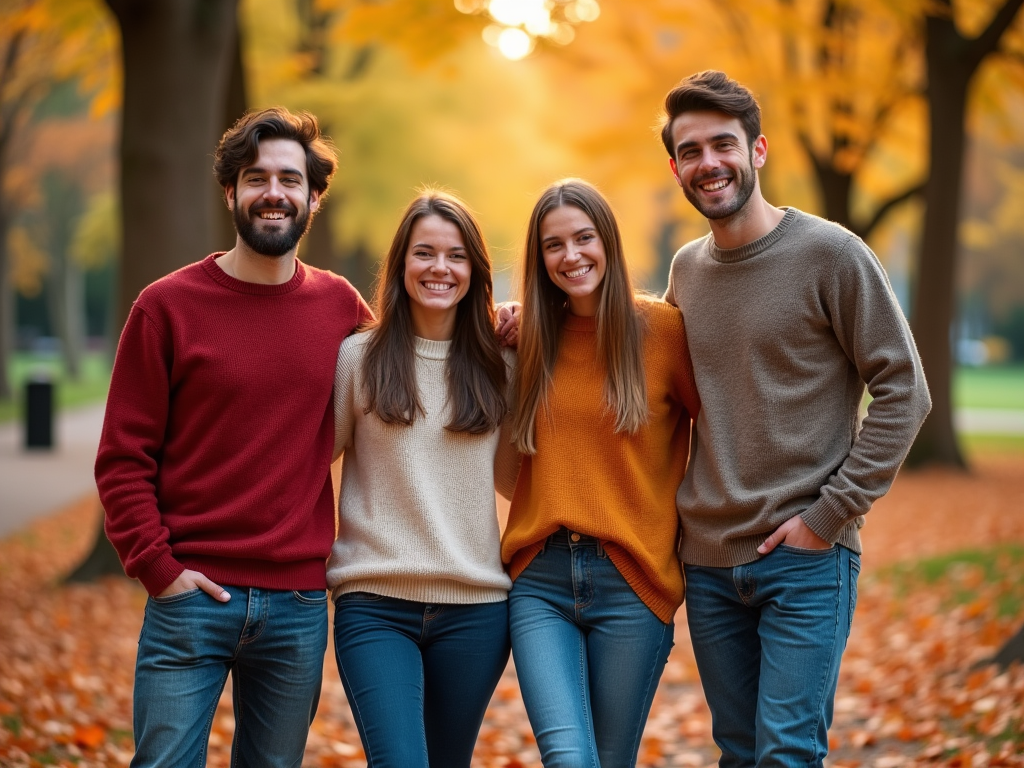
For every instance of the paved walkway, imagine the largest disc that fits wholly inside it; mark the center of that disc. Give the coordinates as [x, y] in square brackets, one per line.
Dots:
[35, 483]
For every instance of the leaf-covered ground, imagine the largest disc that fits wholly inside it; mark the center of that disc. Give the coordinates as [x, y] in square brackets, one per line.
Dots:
[942, 588]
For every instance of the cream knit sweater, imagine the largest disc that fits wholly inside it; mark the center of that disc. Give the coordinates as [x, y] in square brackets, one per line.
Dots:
[417, 518]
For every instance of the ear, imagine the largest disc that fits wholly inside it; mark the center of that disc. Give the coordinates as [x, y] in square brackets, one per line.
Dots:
[675, 171]
[760, 151]
[229, 197]
[314, 201]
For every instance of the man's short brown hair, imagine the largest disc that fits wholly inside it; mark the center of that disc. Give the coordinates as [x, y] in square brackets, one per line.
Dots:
[240, 145]
[711, 91]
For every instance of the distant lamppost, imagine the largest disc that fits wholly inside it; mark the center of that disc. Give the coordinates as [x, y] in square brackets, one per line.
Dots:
[518, 24]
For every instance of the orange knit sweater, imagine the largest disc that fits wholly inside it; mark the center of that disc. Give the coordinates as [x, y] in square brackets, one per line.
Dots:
[617, 487]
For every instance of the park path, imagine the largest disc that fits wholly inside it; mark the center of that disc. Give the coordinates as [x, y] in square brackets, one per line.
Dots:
[39, 482]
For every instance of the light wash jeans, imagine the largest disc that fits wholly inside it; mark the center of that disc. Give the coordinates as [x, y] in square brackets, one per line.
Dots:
[418, 676]
[273, 643]
[588, 654]
[768, 637]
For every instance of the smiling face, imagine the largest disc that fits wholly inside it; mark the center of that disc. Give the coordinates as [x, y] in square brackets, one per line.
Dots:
[271, 201]
[714, 164]
[574, 257]
[437, 275]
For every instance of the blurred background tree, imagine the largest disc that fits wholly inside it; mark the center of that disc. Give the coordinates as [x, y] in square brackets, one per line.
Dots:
[901, 119]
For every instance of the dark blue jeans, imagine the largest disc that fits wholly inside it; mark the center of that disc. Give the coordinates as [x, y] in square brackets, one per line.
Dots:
[768, 637]
[273, 643]
[588, 654]
[419, 676]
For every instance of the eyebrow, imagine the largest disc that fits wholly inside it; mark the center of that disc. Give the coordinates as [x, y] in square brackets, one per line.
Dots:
[284, 171]
[431, 247]
[579, 231]
[717, 137]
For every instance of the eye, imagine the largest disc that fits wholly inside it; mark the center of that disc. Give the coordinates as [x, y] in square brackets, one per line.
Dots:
[552, 245]
[457, 256]
[586, 237]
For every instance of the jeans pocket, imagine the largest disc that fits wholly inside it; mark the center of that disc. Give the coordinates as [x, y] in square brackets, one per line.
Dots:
[854, 576]
[310, 596]
[359, 597]
[805, 551]
[177, 597]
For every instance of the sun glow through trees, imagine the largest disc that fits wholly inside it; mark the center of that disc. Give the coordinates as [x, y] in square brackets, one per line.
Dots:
[518, 24]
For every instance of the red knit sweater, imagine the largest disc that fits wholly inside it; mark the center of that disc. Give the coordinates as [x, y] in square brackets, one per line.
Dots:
[216, 445]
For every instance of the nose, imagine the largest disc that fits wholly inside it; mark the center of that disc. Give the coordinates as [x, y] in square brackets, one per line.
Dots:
[274, 190]
[708, 160]
[440, 266]
[572, 254]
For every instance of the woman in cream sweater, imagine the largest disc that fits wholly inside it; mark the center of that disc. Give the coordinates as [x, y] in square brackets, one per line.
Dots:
[421, 620]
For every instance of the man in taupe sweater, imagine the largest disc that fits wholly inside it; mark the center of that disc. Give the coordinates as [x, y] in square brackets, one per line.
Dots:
[788, 317]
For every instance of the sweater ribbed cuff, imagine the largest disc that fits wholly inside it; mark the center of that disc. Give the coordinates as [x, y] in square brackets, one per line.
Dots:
[827, 517]
[158, 575]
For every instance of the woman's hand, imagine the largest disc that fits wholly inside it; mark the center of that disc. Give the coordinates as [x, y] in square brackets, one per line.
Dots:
[507, 329]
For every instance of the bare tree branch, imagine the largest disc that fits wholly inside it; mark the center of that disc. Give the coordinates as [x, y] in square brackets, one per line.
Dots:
[864, 230]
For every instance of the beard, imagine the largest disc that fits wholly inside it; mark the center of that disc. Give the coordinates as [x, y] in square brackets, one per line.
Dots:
[274, 242]
[744, 180]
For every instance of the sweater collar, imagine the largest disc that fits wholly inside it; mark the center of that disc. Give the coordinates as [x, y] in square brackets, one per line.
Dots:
[253, 289]
[432, 350]
[579, 324]
[744, 252]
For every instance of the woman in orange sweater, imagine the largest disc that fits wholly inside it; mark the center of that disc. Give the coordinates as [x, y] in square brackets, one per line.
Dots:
[605, 398]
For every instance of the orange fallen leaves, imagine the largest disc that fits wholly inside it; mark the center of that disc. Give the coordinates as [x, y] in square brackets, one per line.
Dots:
[908, 694]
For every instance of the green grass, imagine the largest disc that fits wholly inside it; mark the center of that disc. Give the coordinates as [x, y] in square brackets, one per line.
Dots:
[996, 386]
[964, 577]
[90, 388]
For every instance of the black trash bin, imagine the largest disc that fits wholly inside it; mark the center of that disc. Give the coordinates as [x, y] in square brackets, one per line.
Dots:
[39, 413]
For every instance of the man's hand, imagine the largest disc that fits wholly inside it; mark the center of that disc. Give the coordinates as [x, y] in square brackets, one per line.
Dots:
[795, 533]
[195, 580]
[507, 329]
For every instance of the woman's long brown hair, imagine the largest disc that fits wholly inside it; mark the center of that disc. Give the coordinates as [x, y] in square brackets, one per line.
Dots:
[620, 324]
[475, 369]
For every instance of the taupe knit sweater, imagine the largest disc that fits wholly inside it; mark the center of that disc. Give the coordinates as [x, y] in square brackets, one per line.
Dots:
[784, 334]
[417, 517]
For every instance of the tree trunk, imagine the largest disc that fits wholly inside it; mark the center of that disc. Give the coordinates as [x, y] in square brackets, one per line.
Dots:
[6, 311]
[1012, 650]
[177, 66]
[67, 288]
[177, 62]
[235, 105]
[317, 248]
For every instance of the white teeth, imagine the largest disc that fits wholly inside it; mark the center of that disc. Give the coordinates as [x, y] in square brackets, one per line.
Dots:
[272, 215]
[578, 272]
[436, 286]
[715, 185]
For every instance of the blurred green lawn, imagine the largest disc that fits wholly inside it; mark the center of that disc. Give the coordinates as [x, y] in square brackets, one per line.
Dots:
[90, 388]
[996, 387]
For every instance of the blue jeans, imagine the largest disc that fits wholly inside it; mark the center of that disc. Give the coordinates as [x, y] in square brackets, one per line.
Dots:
[768, 637]
[273, 643]
[588, 654]
[418, 676]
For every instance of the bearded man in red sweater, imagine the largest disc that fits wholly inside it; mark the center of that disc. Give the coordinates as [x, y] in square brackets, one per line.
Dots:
[214, 461]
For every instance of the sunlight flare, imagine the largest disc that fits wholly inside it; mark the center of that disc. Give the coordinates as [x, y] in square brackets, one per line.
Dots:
[520, 24]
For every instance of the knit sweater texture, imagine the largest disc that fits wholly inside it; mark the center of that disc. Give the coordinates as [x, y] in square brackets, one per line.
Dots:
[784, 333]
[617, 487]
[417, 518]
[216, 445]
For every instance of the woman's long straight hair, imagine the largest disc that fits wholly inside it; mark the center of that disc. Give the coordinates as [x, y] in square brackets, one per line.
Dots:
[620, 323]
[475, 369]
